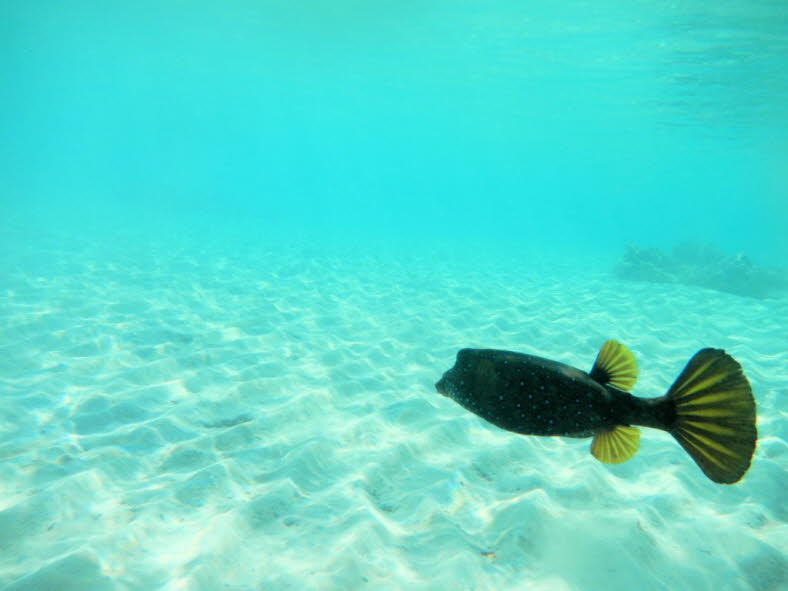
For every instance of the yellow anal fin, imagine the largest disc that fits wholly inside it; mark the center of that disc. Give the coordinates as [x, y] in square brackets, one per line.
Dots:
[617, 445]
[615, 365]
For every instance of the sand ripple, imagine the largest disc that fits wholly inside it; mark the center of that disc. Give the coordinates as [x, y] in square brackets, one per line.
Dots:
[268, 421]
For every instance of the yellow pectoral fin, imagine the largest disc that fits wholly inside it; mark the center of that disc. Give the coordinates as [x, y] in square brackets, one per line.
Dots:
[617, 445]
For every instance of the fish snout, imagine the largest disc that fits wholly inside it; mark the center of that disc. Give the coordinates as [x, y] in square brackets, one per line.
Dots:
[442, 385]
[445, 384]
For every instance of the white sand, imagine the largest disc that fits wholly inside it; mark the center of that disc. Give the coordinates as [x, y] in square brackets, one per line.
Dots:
[178, 421]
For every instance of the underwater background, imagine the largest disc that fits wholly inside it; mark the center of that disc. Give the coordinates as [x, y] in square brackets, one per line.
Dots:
[240, 241]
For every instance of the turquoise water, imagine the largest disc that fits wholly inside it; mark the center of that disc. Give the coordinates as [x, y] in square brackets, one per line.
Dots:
[240, 241]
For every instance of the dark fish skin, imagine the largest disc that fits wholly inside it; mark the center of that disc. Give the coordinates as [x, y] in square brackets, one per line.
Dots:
[535, 396]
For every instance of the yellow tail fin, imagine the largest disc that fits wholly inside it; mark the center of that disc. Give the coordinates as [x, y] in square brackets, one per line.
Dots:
[715, 415]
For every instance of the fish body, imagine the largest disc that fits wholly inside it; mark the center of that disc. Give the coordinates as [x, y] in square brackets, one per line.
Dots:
[710, 409]
[536, 396]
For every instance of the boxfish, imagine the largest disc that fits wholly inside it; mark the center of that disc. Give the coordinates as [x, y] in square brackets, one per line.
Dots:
[709, 409]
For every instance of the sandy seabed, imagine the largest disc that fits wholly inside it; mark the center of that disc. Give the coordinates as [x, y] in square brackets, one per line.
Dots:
[187, 421]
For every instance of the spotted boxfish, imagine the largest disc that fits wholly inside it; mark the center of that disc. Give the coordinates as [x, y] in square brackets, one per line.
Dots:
[709, 409]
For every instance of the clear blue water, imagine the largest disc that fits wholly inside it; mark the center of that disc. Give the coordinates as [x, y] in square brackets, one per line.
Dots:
[322, 201]
[573, 125]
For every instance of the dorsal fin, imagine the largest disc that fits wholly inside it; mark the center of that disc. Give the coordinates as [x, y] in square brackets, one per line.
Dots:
[617, 445]
[615, 365]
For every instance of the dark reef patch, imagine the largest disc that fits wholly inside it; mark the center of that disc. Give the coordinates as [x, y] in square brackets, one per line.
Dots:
[705, 266]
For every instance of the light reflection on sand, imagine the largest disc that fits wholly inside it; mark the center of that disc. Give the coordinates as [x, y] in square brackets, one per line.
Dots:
[270, 423]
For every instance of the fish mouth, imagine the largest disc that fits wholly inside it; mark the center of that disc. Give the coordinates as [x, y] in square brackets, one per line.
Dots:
[444, 385]
[440, 386]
